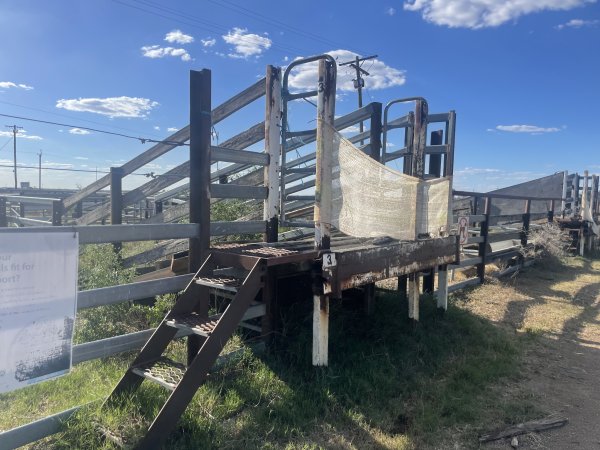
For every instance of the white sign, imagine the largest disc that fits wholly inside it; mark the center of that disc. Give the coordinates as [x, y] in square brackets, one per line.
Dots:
[463, 230]
[329, 260]
[38, 300]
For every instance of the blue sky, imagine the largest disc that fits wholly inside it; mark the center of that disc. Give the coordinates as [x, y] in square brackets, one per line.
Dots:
[522, 75]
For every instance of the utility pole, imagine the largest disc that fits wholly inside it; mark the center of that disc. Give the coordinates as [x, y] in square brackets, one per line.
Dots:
[40, 169]
[15, 130]
[359, 81]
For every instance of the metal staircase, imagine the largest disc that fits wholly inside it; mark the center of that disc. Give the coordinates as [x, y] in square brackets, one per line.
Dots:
[238, 274]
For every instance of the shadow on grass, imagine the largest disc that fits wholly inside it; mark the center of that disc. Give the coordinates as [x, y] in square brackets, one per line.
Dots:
[390, 384]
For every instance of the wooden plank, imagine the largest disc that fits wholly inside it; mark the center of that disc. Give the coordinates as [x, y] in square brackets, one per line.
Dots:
[245, 139]
[222, 111]
[360, 266]
[524, 428]
[238, 156]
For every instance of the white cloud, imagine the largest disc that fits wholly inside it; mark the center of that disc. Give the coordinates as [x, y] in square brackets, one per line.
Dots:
[156, 51]
[78, 131]
[10, 84]
[381, 75]
[156, 127]
[578, 23]
[526, 129]
[172, 129]
[208, 42]
[22, 134]
[111, 106]
[246, 44]
[390, 11]
[82, 158]
[178, 37]
[484, 13]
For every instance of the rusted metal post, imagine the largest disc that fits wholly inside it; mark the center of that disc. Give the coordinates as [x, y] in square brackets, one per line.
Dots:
[3, 217]
[116, 200]
[484, 229]
[322, 211]
[57, 212]
[200, 128]
[272, 148]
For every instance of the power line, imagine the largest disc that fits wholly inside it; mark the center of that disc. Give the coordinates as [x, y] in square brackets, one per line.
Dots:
[206, 25]
[67, 116]
[142, 140]
[6, 143]
[269, 20]
[65, 169]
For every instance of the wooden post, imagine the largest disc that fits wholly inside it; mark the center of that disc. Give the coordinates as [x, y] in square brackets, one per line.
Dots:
[78, 210]
[375, 153]
[484, 228]
[402, 284]
[442, 293]
[116, 196]
[272, 148]
[57, 212]
[435, 169]
[526, 220]
[594, 201]
[322, 211]
[584, 206]
[3, 218]
[575, 194]
[22, 209]
[158, 207]
[200, 128]
[551, 212]
[116, 200]
[420, 138]
[563, 203]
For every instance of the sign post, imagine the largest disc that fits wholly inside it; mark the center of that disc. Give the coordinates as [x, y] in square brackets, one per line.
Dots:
[38, 300]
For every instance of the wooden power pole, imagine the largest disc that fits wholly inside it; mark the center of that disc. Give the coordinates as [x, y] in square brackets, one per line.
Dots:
[15, 130]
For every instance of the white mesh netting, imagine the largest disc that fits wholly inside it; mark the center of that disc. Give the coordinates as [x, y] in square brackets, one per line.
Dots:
[370, 199]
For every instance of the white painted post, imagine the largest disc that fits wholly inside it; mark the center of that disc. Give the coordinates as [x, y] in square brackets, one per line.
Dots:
[414, 290]
[442, 292]
[320, 330]
[272, 147]
[322, 210]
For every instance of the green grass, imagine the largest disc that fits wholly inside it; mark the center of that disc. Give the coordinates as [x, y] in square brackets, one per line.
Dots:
[390, 384]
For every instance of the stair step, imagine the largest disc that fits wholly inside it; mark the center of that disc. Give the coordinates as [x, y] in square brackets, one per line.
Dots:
[163, 371]
[195, 323]
[220, 282]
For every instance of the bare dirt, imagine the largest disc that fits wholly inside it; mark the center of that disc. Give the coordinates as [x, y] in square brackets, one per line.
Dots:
[560, 304]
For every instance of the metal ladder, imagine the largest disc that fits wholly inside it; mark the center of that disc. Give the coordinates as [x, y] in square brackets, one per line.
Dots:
[241, 275]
